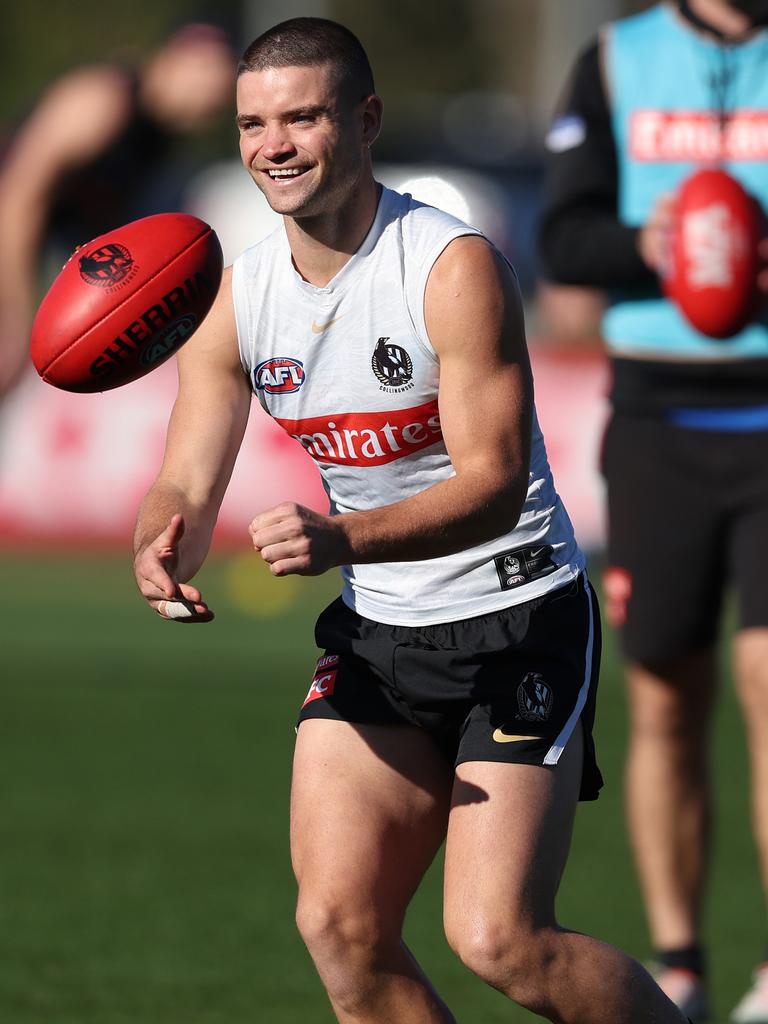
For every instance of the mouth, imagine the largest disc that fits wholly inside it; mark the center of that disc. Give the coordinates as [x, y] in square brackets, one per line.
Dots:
[285, 173]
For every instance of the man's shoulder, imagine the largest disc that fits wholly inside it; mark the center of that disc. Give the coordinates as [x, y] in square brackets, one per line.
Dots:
[264, 249]
[590, 53]
[415, 211]
[641, 20]
[648, 24]
[420, 225]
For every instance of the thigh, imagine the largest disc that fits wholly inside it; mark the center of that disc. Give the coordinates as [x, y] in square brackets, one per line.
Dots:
[666, 558]
[369, 807]
[506, 849]
[541, 689]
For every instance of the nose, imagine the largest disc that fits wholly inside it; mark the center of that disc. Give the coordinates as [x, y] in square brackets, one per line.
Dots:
[277, 144]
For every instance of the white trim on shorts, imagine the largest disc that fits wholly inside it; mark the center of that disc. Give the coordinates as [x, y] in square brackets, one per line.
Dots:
[554, 752]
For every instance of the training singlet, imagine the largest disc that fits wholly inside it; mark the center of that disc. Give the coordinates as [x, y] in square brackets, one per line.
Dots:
[349, 372]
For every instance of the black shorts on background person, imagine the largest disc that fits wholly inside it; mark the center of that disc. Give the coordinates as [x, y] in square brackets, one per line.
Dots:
[685, 459]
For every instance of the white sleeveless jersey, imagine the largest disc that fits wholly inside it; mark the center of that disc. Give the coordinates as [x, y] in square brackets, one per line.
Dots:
[349, 372]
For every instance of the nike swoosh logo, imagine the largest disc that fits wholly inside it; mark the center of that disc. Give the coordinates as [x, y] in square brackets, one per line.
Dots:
[538, 551]
[319, 328]
[501, 737]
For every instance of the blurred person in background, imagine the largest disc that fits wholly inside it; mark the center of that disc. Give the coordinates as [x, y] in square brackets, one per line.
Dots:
[88, 157]
[686, 455]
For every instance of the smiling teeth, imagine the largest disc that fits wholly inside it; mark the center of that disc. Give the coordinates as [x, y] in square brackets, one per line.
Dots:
[291, 172]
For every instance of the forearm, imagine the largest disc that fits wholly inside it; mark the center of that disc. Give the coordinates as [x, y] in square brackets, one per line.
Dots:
[22, 223]
[449, 516]
[593, 249]
[19, 246]
[162, 502]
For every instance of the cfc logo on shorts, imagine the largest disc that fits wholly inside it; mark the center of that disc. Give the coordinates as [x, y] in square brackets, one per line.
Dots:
[324, 680]
[534, 698]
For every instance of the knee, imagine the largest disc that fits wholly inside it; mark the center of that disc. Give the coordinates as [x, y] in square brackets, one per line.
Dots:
[348, 945]
[333, 928]
[344, 937]
[516, 960]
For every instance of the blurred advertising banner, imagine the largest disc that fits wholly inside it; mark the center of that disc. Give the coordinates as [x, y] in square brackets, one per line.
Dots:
[73, 468]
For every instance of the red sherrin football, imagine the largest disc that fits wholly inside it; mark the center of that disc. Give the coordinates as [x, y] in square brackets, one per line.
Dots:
[714, 259]
[125, 302]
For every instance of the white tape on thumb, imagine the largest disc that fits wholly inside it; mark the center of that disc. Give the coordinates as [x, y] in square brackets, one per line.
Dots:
[176, 609]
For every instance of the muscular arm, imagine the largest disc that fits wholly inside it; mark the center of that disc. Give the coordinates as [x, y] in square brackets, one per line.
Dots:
[176, 518]
[475, 323]
[74, 122]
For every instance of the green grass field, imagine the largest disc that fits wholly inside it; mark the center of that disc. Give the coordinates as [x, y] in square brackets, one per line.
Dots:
[144, 872]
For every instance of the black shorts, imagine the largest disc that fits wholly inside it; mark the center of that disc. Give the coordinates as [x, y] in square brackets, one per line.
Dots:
[687, 517]
[509, 686]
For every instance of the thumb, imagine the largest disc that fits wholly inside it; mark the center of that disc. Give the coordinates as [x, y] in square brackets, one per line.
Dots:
[173, 532]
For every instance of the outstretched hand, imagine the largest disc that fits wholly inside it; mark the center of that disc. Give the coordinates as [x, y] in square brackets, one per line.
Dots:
[295, 540]
[155, 570]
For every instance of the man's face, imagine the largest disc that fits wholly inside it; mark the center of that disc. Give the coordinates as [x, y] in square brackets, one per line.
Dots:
[301, 142]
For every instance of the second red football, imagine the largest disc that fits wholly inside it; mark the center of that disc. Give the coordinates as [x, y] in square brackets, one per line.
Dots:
[715, 261]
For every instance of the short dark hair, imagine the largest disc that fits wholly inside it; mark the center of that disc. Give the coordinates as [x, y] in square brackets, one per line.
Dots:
[311, 42]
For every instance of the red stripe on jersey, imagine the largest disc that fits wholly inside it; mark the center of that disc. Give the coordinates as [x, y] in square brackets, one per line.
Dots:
[367, 438]
[664, 135]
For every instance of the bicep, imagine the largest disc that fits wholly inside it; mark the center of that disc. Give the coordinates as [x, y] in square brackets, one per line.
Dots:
[475, 322]
[211, 410]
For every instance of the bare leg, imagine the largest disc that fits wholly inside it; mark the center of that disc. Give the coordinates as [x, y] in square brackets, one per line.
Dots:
[668, 791]
[368, 813]
[751, 658]
[504, 860]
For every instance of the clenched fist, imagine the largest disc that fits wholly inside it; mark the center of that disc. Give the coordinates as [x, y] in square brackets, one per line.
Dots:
[293, 539]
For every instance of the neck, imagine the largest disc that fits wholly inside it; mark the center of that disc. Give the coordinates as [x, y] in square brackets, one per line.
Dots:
[719, 18]
[322, 245]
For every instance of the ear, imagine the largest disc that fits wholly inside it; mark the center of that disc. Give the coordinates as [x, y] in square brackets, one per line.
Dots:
[371, 119]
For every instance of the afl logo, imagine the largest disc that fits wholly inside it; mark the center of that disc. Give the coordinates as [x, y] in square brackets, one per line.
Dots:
[392, 366]
[106, 266]
[279, 376]
[172, 337]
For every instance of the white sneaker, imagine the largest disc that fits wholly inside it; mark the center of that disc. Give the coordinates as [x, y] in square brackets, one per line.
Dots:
[686, 990]
[753, 1008]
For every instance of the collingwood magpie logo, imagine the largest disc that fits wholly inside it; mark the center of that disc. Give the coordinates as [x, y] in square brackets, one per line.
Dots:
[522, 565]
[534, 698]
[106, 266]
[392, 366]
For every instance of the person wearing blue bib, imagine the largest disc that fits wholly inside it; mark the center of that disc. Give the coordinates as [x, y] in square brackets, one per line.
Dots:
[656, 97]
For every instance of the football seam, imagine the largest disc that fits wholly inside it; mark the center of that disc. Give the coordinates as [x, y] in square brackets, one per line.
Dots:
[106, 316]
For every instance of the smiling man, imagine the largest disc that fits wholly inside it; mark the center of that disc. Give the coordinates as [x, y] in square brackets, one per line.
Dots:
[454, 697]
